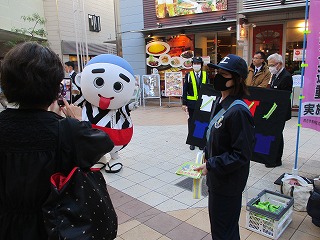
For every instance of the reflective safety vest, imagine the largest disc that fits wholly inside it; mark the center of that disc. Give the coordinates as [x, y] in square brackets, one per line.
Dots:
[194, 85]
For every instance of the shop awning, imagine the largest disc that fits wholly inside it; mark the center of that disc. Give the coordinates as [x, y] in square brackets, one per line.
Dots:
[69, 48]
[214, 26]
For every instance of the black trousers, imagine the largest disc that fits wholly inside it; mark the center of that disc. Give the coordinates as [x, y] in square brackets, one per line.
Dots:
[224, 213]
[280, 150]
[190, 112]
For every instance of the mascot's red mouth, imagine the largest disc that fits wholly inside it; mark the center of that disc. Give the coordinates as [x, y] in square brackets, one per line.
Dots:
[104, 102]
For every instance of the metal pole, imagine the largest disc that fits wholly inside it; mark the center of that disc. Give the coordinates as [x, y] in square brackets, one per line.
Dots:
[85, 35]
[75, 11]
[295, 168]
[117, 27]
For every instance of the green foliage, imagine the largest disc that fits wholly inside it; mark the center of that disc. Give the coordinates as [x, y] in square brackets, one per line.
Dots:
[34, 33]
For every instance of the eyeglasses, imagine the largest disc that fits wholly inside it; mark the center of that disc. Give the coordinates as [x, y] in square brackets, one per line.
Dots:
[273, 65]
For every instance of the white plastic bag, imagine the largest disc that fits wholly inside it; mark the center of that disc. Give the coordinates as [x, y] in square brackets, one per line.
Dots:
[298, 188]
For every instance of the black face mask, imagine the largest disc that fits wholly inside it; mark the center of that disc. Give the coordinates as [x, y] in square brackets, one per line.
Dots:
[219, 82]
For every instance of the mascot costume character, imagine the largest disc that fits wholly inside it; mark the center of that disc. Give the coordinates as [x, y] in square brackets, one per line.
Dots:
[107, 83]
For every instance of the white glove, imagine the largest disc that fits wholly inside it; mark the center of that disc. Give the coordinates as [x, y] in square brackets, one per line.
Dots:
[133, 105]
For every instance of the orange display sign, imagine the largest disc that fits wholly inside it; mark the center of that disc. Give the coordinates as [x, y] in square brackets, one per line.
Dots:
[171, 8]
[173, 52]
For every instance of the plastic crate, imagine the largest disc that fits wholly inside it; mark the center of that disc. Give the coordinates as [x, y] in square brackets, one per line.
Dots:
[267, 223]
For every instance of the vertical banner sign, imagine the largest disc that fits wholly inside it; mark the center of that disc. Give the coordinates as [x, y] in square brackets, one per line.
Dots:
[310, 112]
[269, 109]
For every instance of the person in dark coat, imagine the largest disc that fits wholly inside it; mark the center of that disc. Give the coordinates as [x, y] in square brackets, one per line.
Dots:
[229, 147]
[191, 89]
[281, 80]
[29, 135]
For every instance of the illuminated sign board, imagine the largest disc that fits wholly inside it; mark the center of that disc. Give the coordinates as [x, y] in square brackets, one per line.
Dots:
[172, 8]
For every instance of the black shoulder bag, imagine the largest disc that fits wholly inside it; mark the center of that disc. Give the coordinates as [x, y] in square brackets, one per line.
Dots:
[79, 205]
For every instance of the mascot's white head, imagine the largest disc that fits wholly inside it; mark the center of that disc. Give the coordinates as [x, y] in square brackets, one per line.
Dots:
[107, 81]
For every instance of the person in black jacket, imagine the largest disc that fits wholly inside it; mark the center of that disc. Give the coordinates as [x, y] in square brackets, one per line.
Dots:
[191, 88]
[30, 77]
[281, 80]
[229, 147]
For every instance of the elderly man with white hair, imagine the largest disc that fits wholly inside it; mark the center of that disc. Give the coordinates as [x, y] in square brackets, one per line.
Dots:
[281, 80]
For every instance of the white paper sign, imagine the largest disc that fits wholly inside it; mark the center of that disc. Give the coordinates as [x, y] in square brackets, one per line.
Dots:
[297, 54]
[207, 102]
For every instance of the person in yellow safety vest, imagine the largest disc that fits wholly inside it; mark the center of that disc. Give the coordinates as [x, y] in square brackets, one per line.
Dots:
[191, 88]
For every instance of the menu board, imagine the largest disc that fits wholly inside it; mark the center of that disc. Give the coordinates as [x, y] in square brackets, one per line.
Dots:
[173, 84]
[172, 8]
[173, 52]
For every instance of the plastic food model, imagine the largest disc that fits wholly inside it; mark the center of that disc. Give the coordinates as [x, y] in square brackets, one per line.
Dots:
[107, 83]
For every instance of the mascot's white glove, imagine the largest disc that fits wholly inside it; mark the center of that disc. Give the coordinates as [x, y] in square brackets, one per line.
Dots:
[134, 105]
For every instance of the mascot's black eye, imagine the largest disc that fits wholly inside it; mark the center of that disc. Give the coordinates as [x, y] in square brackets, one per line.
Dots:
[117, 86]
[98, 82]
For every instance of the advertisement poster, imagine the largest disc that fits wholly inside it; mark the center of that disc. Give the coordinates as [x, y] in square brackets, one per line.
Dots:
[173, 84]
[310, 111]
[172, 8]
[151, 86]
[172, 52]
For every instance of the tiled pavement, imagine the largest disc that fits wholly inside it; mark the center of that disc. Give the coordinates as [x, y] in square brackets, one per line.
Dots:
[151, 206]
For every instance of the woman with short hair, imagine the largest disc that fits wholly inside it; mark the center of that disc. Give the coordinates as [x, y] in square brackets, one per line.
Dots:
[29, 139]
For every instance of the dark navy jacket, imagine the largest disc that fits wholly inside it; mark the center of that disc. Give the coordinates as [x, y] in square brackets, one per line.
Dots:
[284, 82]
[231, 143]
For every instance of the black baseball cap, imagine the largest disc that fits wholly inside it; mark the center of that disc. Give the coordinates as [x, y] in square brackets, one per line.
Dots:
[232, 63]
[197, 60]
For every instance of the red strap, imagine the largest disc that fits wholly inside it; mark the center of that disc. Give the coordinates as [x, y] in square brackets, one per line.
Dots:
[59, 180]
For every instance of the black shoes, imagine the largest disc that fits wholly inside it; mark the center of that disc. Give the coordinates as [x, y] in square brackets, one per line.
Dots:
[273, 165]
[193, 147]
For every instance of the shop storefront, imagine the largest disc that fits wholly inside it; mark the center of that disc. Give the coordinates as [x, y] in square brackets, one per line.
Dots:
[176, 31]
[285, 39]
[275, 27]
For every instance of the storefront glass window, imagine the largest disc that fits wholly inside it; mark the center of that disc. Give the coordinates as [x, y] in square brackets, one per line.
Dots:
[226, 44]
[294, 46]
[219, 45]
